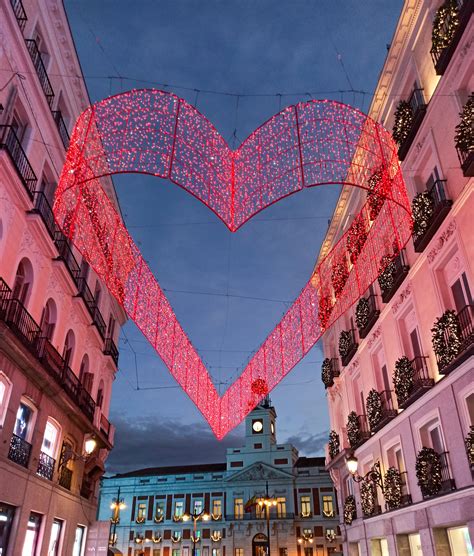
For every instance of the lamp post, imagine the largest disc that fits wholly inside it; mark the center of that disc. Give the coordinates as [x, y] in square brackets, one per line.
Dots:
[116, 505]
[195, 516]
[267, 502]
[373, 475]
[304, 539]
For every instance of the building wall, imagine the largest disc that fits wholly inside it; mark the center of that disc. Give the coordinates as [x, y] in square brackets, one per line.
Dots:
[423, 295]
[43, 92]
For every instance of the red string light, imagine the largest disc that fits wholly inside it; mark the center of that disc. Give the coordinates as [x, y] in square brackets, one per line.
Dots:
[311, 143]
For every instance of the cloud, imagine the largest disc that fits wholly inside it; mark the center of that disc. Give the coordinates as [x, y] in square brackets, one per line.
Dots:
[311, 444]
[149, 442]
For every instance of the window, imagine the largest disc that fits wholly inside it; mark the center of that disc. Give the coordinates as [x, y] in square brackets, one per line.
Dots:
[97, 293]
[431, 436]
[217, 507]
[328, 505]
[459, 541]
[23, 282]
[24, 421]
[55, 538]
[141, 512]
[414, 541]
[48, 319]
[19, 127]
[216, 552]
[283, 551]
[281, 506]
[238, 552]
[175, 552]
[308, 551]
[79, 540]
[305, 503]
[111, 327]
[100, 394]
[178, 508]
[86, 378]
[197, 506]
[461, 293]
[30, 544]
[238, 508]
[84, 270]
[50, 438]
[69, 344]
[410, 334]
[7, 513]
[469, 405]
[157, 552]
[5, 390]
[380, 546]
[159, 510]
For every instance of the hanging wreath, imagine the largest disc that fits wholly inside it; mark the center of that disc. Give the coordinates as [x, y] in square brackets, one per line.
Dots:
[325, 307]
[446, 338]
[346, 342]
[445, 23]
[339, 276]
[464, 135]
[403, 379]
[392, 488]
[353, 429]
[326, 373]
[374, 408]
[350, 511]
[368, 498]
[469, 442]
[356, 238]
[362, 313]
[334, 444]
[428, 471]
[422, 209]
[387, 271]
[403, 121]
[259, 387]
[375, 193]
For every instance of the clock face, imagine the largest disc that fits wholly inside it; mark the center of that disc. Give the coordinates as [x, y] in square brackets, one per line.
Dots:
[257, 426]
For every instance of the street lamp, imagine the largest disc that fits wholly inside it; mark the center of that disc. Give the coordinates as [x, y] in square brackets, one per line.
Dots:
[267, 502]
[373, 475]
[195, 516]
[116, 506]
[305, 539]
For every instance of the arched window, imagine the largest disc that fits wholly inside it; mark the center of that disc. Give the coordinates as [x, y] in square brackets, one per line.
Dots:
[86, 378]
[25, 420]
[5, 390]
[23, 281]
[69, 344]
[51, 436]
[100, 394]
[48, 319]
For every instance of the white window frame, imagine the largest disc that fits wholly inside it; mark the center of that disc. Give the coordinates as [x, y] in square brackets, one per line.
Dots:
[57, 443]
[422, 422]
[6, 396]
[34, 415]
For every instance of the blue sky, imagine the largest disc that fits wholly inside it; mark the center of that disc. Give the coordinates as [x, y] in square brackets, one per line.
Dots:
[240, 46]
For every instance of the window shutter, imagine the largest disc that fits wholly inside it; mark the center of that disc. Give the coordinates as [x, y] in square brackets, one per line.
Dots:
[207, 502]
[134, 503]
[316, 505]
[187, 505]
[150, 507]
[169, 502]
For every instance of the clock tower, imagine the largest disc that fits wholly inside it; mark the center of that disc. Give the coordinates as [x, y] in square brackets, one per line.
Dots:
[260, 425]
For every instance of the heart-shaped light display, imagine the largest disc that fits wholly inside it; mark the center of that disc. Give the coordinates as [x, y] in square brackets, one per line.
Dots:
[311, 143]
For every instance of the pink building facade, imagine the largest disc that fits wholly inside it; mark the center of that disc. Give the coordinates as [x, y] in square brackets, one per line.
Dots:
[59, 326]
[400, 395]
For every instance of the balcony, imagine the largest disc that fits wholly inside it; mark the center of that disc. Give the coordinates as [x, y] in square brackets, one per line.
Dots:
[357, 429]
[366, 315]
[391, 277]
[347, 346]
[406, 496]
[252, 516]
[43, 208]
[459, 347]
[20, 451]
[382, 411]
[418, 383]
[329, 371]
[46, 466]
[89, 300]
[442, 55]
[429, 485]
[105, 426]
[12, 145]
[20, 13]
[111, 349]
[41, 72]
[20, 322]
[466, 159]
[65, 477]
[430, 208]
[63, 132]
[418, 111]
[66, 255]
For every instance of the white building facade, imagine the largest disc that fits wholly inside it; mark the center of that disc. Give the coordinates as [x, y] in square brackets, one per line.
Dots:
[399, 365]
[58, 325]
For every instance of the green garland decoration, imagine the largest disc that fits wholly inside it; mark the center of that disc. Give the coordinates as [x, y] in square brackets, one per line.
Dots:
[326, 373]
[428, 471]
[353, 429]
[445, 23]
[356, 238]
[464, 135]
[387, 272]
[339, 276]
[334, 444]
[368, 498]
[403, 121]
[392, 488]
[325, 307]
[446, 337]
[469, 442]
[350, 511]
[422, 209]
[403, 379]
[374, 408]
[362, 313]
[345, 342]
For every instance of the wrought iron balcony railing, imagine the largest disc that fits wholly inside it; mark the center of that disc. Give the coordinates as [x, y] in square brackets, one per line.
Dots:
[12, 145]
[43, 208]
[63, 132]
[89, 300]
[111, 349]
[421, 381]
[373, 315]
[392, 276]
[440, 206]
[361, 434]
[66, 255]
[41, 72]
[465, 349]
[65, 477]
[20, 14]
[418, 106]
[466, 159]
[406, 496]
[46, 466]
[20, 451]
[448, 484]
[252, 516]
[388, 412]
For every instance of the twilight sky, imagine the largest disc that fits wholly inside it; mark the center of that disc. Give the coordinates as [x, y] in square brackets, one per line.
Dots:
[243, 46]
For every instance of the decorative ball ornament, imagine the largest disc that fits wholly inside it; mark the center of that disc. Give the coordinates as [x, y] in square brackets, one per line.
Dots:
[350, 511]
[428, 471]
[392, 488]
[345, 342]
[403, 379]
[368, 498]
[374, 408]
[362, 313]
[422, 209]
[464, 134]
[334, 444]
[446, 337]
[403, 120]
[353, 429]
[445, 24]
[156, 133]
[339, 276]
[259, 387]
[326, 373]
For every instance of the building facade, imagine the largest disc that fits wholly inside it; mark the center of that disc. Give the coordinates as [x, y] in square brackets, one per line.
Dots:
[58, 325]
[303, 516]
[398, 367]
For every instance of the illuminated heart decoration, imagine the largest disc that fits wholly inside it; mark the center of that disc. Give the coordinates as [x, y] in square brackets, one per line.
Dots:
[311, 143]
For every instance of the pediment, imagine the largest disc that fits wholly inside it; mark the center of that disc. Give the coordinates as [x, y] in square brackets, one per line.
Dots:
[259, 472]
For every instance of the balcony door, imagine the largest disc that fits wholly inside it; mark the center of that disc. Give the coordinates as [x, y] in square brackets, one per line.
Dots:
[461, 293]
